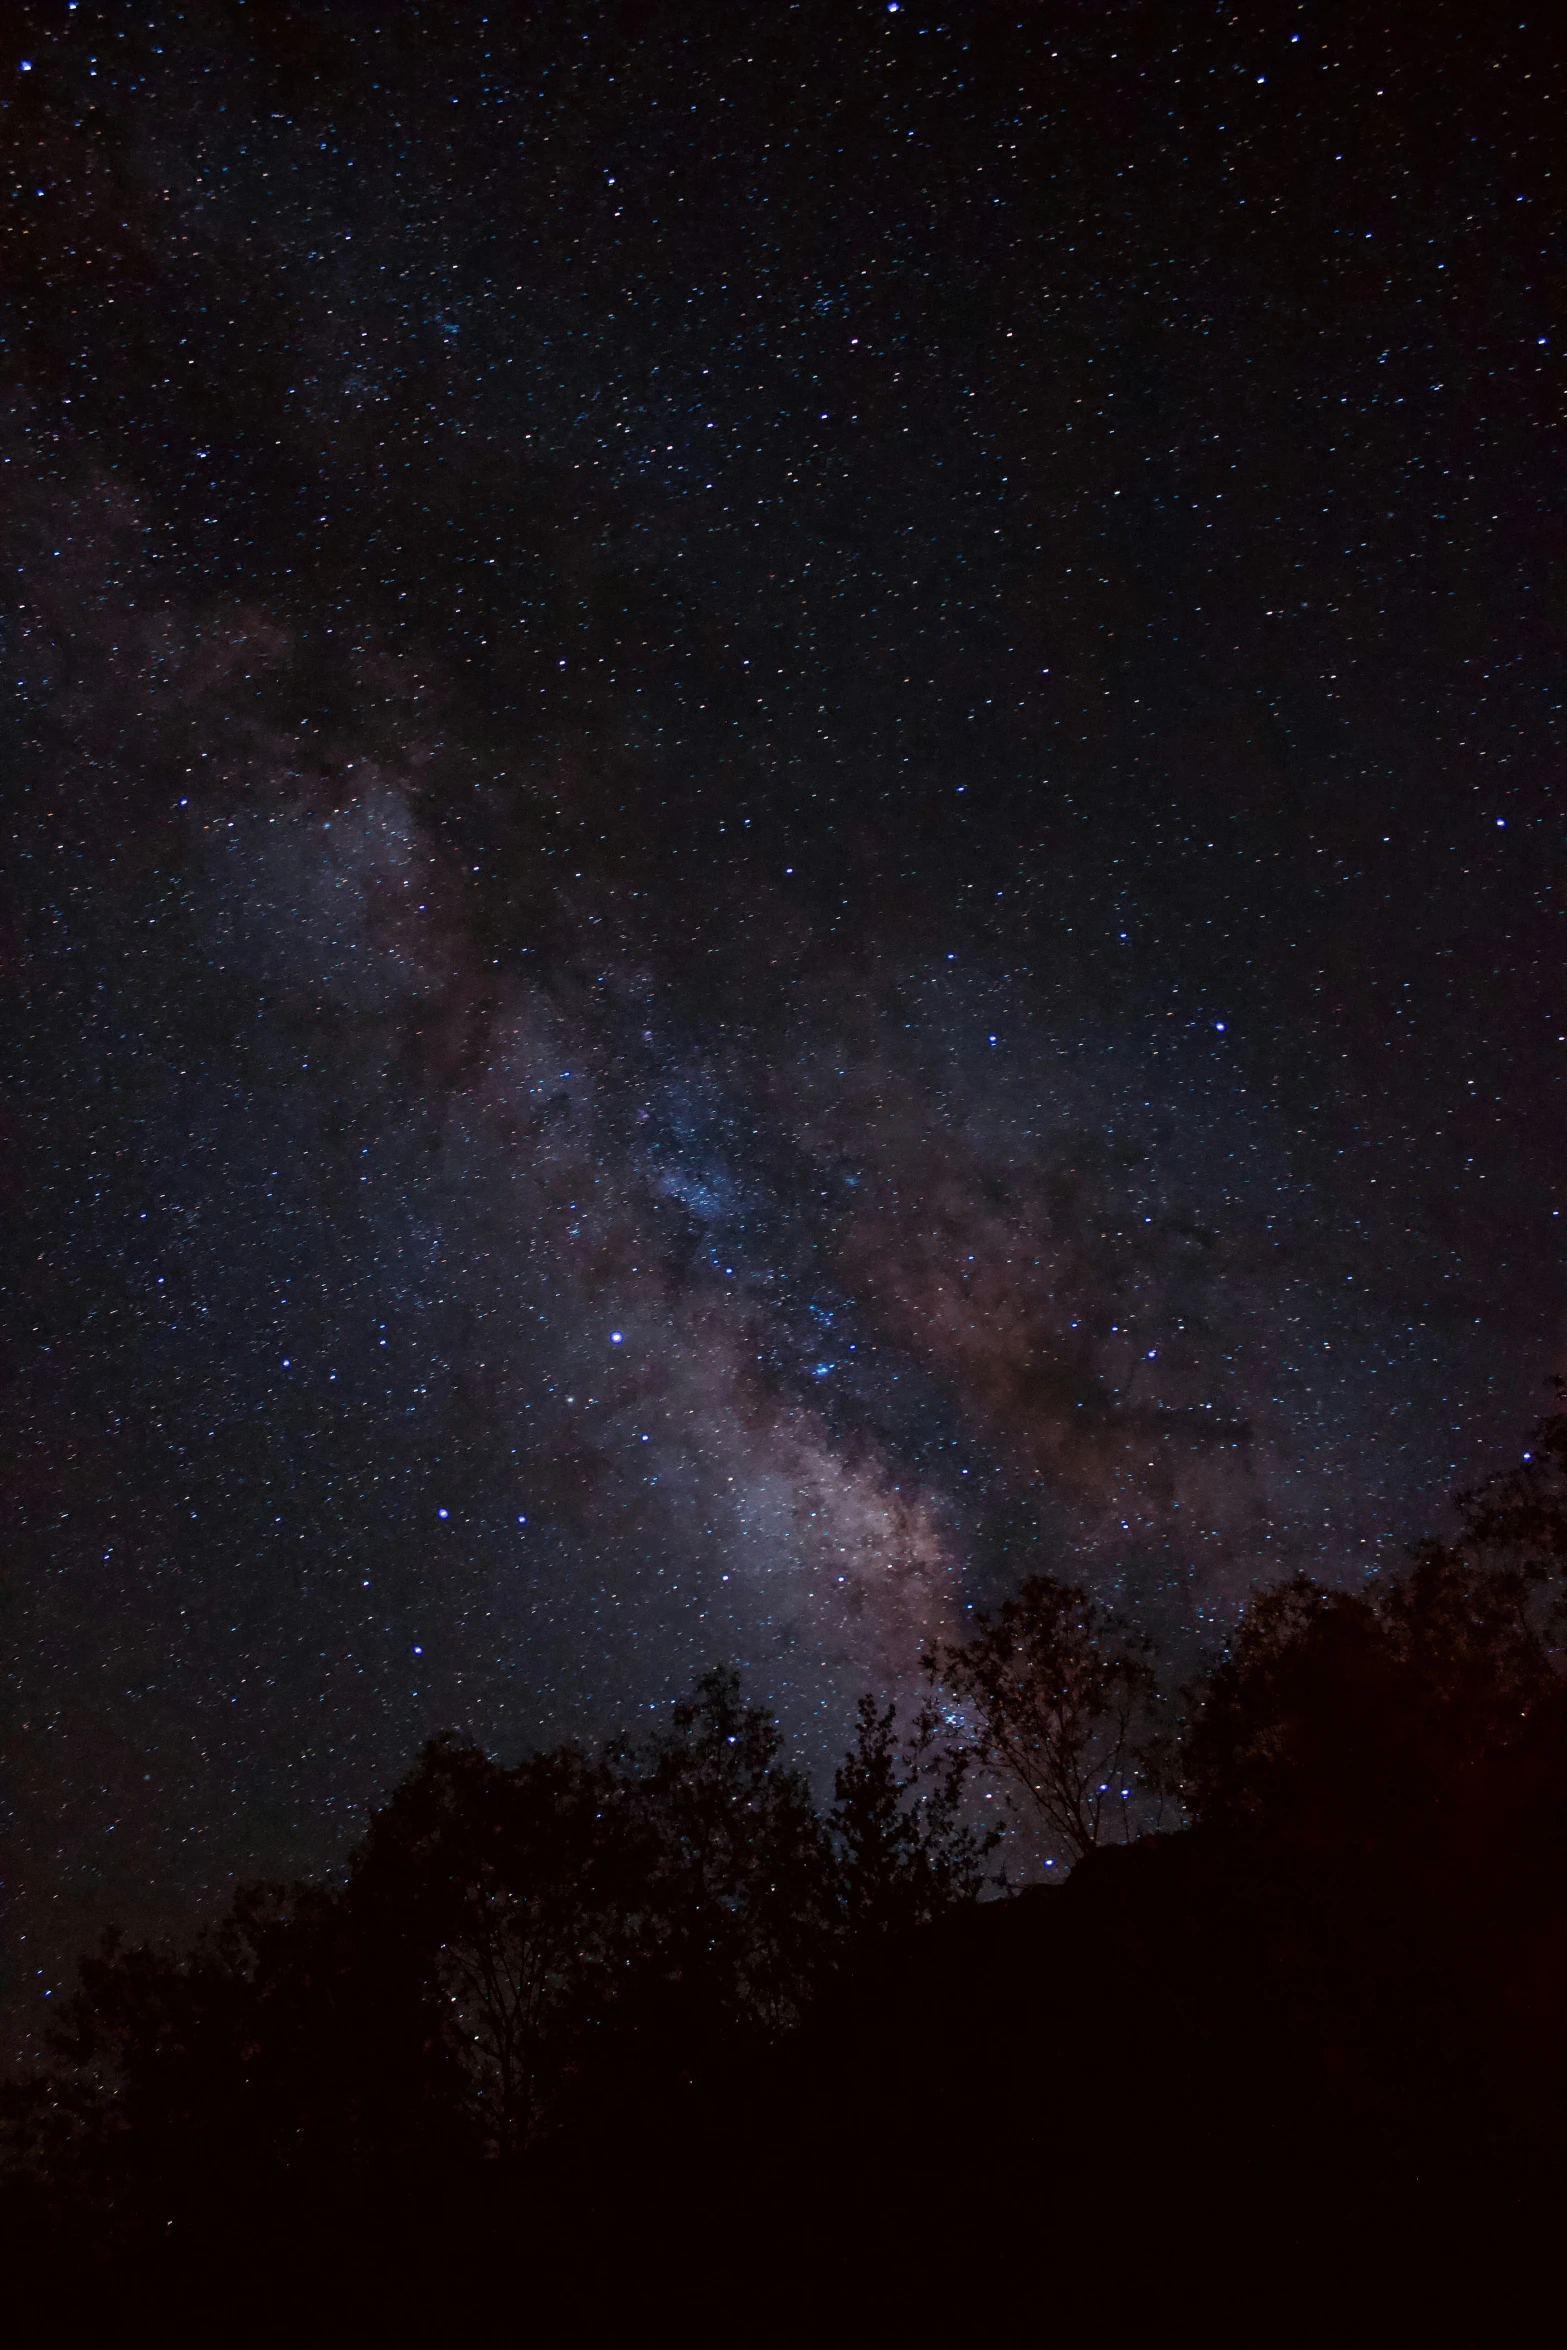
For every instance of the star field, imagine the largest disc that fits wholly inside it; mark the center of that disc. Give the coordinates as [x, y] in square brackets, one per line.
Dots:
[783, 829]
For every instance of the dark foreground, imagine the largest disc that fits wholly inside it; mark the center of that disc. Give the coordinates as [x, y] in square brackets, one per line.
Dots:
[653, 2045]
[1203, 2087]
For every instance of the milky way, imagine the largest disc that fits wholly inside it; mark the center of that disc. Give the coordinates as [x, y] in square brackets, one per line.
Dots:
[782, 837]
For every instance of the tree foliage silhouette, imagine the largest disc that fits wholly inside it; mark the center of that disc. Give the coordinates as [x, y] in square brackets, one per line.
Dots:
[739, 1874]
[902, 1849]
[1520, 1514]
[1368, 1709]
[1058, 1694]
[527, 1968]
[520, 1898]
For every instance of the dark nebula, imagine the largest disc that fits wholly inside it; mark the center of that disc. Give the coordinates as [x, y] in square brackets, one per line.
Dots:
[783, 831]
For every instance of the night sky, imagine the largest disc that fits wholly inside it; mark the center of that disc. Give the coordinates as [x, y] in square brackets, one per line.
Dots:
[782, 834]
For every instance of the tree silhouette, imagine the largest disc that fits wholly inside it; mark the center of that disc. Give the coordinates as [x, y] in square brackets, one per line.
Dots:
[278, 2062]
[902, 1850]
[1471, 1633]
[1060, 1692]
[580, 1993]
[1284, 1701]
[1520, 1515]
[521, 1898]
[1368, 1710]
[740, 1874]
